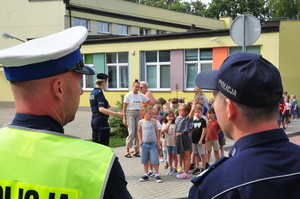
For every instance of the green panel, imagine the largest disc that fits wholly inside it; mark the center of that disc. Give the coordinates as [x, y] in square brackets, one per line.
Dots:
[152, 76]
[191, 54]
[206, 54]
[88, 58]
[165, 76]
[192, 71]
[99, 63]
[250, 49]
[164, 56]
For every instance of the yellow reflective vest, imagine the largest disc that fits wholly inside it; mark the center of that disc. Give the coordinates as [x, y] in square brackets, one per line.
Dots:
[43, 165]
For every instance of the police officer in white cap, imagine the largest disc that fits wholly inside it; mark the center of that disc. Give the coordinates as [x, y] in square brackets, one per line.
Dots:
[100, 111]
[36, 159]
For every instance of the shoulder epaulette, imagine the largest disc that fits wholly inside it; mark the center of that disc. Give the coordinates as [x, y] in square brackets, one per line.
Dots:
[201, 176]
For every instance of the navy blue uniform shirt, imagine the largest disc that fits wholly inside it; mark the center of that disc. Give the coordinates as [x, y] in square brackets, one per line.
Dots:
[260, 166]
[116, 180]
[97, 100]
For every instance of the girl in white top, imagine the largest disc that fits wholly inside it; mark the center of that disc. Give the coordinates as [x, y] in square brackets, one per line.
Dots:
[132, 105]
[168, 128]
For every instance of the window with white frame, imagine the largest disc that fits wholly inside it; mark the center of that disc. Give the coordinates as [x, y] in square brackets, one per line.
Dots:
[196, 60]
[117, 68]
[123, 30]
[144, 31]
[103, 27]
[88, 80]
[158, 69]
[160, 32]
[81, 22]
[249, 49]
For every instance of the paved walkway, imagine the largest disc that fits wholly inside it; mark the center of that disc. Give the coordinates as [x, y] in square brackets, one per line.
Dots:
[171, 187]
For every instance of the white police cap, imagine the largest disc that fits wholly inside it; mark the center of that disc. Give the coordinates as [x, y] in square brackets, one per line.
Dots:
[46, 56]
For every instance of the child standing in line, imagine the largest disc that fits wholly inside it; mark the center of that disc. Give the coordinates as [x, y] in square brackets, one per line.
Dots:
[174, 104]
[222, 142]
[199, 99]
[148, 141]
[151, 172]
[288, 110]
[282, 110]
[168, 128]
[198, 139]
[157, 108]
[294, 108]
[213, 130]
[183, 139]
[165, 107]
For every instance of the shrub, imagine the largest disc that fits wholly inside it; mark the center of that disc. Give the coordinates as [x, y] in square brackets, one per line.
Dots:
[118, 129]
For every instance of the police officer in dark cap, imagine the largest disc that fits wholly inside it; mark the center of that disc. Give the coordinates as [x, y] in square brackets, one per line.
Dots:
[100, 111]
[262, 163]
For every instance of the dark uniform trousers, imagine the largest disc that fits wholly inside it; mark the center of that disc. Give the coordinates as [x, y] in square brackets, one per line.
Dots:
[101, 129]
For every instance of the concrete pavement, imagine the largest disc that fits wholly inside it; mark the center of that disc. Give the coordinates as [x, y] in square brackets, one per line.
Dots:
[171, 187]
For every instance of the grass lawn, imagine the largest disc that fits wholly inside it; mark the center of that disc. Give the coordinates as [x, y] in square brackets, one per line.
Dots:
[116, 142]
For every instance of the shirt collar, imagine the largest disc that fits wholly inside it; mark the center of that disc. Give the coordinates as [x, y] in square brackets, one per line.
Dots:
[41, 122]
[258, 139]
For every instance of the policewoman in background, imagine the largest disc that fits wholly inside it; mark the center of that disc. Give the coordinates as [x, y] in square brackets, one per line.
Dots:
[36, 158]
[100, 111]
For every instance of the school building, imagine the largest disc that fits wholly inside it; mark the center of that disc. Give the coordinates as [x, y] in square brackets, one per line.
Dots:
[130, 41]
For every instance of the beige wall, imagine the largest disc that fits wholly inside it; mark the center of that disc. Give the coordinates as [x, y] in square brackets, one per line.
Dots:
[134, 9]
[24, 19]
[289, 56]
[269, 43]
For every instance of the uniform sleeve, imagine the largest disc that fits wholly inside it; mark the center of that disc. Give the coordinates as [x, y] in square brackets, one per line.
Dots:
[116, 186]
[101, 100]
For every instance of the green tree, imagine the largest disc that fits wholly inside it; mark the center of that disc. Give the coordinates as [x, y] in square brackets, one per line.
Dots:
[195, 7]
[234, 8]
[198, 8]
[287, 9]
[118, 129]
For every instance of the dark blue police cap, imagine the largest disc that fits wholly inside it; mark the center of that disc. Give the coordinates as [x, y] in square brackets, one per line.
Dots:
[246, 78]
[102, 76]
[46, 56]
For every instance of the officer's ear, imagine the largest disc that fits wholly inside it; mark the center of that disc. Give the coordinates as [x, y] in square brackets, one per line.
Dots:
[231, 109]
[57, 88]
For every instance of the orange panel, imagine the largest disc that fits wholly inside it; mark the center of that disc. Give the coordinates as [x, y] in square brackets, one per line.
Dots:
[219, 55]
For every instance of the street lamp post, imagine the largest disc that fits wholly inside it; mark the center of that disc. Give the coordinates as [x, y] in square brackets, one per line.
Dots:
[8, 36]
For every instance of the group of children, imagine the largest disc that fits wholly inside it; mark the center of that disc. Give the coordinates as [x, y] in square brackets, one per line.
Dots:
[184, 132]
[288, 110]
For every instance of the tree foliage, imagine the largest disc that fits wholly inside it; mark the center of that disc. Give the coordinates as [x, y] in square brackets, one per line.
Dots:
[195, 7]
[234, 8]
[262, 9]
[284, 9]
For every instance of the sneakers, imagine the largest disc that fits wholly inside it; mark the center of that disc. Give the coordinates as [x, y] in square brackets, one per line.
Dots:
[196, 171]
[183, 176]
[144, 178]
[192, 166]
[158, 179]
[207, 165]
[173, 173]
[170, 170]
[166, 165]
[180, 170]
